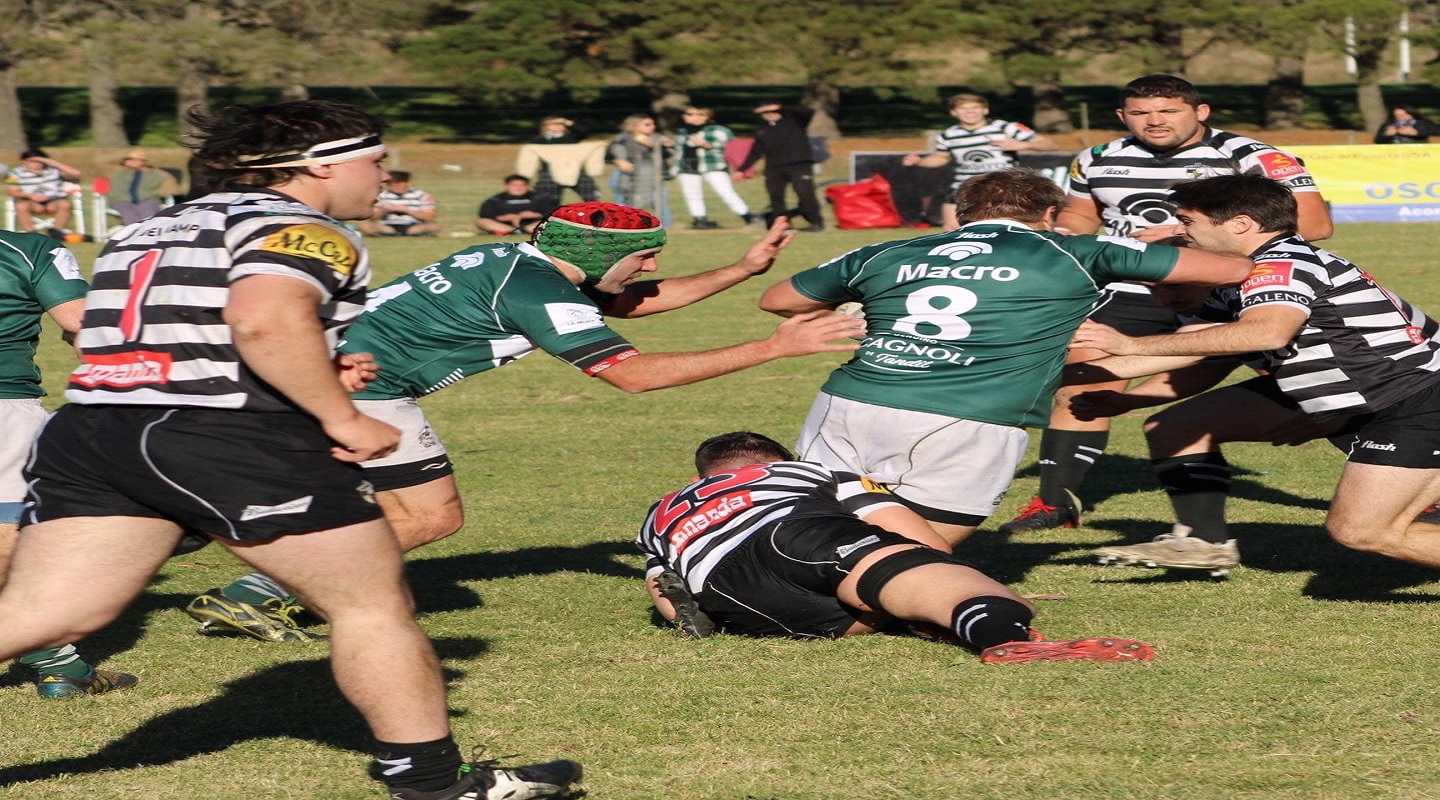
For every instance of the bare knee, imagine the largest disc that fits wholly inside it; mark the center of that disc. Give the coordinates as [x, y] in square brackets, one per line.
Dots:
[418, 530]
[1368, 538]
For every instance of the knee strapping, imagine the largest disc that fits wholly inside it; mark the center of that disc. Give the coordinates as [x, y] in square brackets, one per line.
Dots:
[883, 571]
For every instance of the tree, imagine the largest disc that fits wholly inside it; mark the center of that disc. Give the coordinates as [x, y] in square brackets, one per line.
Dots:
[826, 44]
[30, 30]
[1033, 42]
[510, 50]
[1364, 30]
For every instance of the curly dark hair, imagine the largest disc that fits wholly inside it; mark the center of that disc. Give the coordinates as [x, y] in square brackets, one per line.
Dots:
[227, 134]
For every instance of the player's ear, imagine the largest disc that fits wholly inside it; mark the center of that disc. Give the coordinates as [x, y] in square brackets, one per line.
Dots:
[1202, 112]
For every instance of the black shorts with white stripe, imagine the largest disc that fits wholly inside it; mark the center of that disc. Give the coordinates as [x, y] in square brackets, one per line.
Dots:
[240, 475]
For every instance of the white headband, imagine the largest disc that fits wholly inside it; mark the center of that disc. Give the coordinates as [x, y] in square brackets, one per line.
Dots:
[336, 152]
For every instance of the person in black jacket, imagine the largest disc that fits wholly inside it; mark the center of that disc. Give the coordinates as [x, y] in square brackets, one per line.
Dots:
[1406, 125]
[781, 140]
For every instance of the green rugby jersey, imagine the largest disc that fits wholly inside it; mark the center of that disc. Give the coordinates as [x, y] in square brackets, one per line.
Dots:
[37, 273]
[973, 323]
[472, 311]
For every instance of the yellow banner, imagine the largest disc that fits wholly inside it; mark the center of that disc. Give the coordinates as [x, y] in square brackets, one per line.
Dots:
[1377, 183]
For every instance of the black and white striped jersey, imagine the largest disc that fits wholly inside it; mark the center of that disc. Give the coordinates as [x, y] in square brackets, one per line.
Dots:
[691, 530]
[1362, 348]
[1131, 183]
[974, 151]
[153, 332]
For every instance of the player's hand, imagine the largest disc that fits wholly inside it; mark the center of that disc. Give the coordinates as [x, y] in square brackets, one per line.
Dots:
[1094, 336]
[737, 175]
[761, 255]
[910, 160]
[1007, 144]
[816, 332]
[356, 370]
[1156, 233]
[1088, 406]
[361, 438]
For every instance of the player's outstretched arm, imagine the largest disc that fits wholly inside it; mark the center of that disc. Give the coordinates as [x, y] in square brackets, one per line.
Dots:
[1265, 328]
[652, 297]
[784, 299]
[1313, 216]
[801, 335]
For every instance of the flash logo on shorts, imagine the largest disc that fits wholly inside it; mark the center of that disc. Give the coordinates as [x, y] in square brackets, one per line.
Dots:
[297, 506]
[367, 491]
[845, 550]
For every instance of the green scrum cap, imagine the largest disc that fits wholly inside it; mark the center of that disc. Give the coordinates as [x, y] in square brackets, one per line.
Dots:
[597, 236]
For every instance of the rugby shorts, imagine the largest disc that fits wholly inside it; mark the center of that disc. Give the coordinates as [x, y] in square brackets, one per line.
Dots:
[21, 418]
[1406, 434]
[782, 581]
[236, 474]
[1130, 309]
[948, 470]
[421, 456]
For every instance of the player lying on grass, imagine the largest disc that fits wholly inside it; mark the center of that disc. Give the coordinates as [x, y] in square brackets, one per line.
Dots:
[763, 545]
[491, 304]
[1338, 346]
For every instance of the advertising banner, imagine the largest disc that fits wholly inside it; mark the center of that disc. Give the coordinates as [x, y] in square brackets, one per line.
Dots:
[1377, 183]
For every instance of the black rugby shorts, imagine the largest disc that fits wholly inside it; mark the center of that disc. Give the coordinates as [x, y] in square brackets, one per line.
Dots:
[236, 474]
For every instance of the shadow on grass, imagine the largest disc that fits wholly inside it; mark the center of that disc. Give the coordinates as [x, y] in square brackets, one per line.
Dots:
[1338, 573]
[297, 699]
[437, 581]
[1115, 475]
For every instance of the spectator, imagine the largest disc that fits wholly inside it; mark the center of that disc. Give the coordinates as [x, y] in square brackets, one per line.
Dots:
[38, 187]
[562, 162]
[640, 154]
[515, 210]
[1406, 126]
[402, 210]
[137, 189]
[702, 161]
[782, 141]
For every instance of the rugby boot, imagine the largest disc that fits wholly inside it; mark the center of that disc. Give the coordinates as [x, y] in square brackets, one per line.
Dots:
[271, 621]
[1175, 550]
[486, 781]
[1097, 649]
[1039, 516]
[689, 619]
[99, 681]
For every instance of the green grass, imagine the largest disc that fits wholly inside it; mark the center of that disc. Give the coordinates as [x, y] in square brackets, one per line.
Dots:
[1295, 678]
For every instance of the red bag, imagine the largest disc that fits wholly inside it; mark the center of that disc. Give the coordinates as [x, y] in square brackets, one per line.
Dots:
[864, 204]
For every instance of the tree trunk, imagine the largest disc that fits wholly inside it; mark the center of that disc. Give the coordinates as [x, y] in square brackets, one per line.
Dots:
[1169, 38]
[1050, 113]
[107, 121]
[1285, 93]
[12, 128]
[191, 93]
[822, 96]
[1367, 89]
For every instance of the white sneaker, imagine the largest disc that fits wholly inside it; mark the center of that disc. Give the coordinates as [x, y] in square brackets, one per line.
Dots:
[1175, 550]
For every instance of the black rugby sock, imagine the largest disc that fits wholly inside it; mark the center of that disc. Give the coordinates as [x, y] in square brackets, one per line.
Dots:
[422, 766]
[1065, 458]
[989, 620]
[1198, 485]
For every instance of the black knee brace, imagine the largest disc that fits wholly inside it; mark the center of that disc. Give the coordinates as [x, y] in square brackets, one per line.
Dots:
[883, 571]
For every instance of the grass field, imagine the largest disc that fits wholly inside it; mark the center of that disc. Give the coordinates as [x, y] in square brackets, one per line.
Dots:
[1293, 678]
